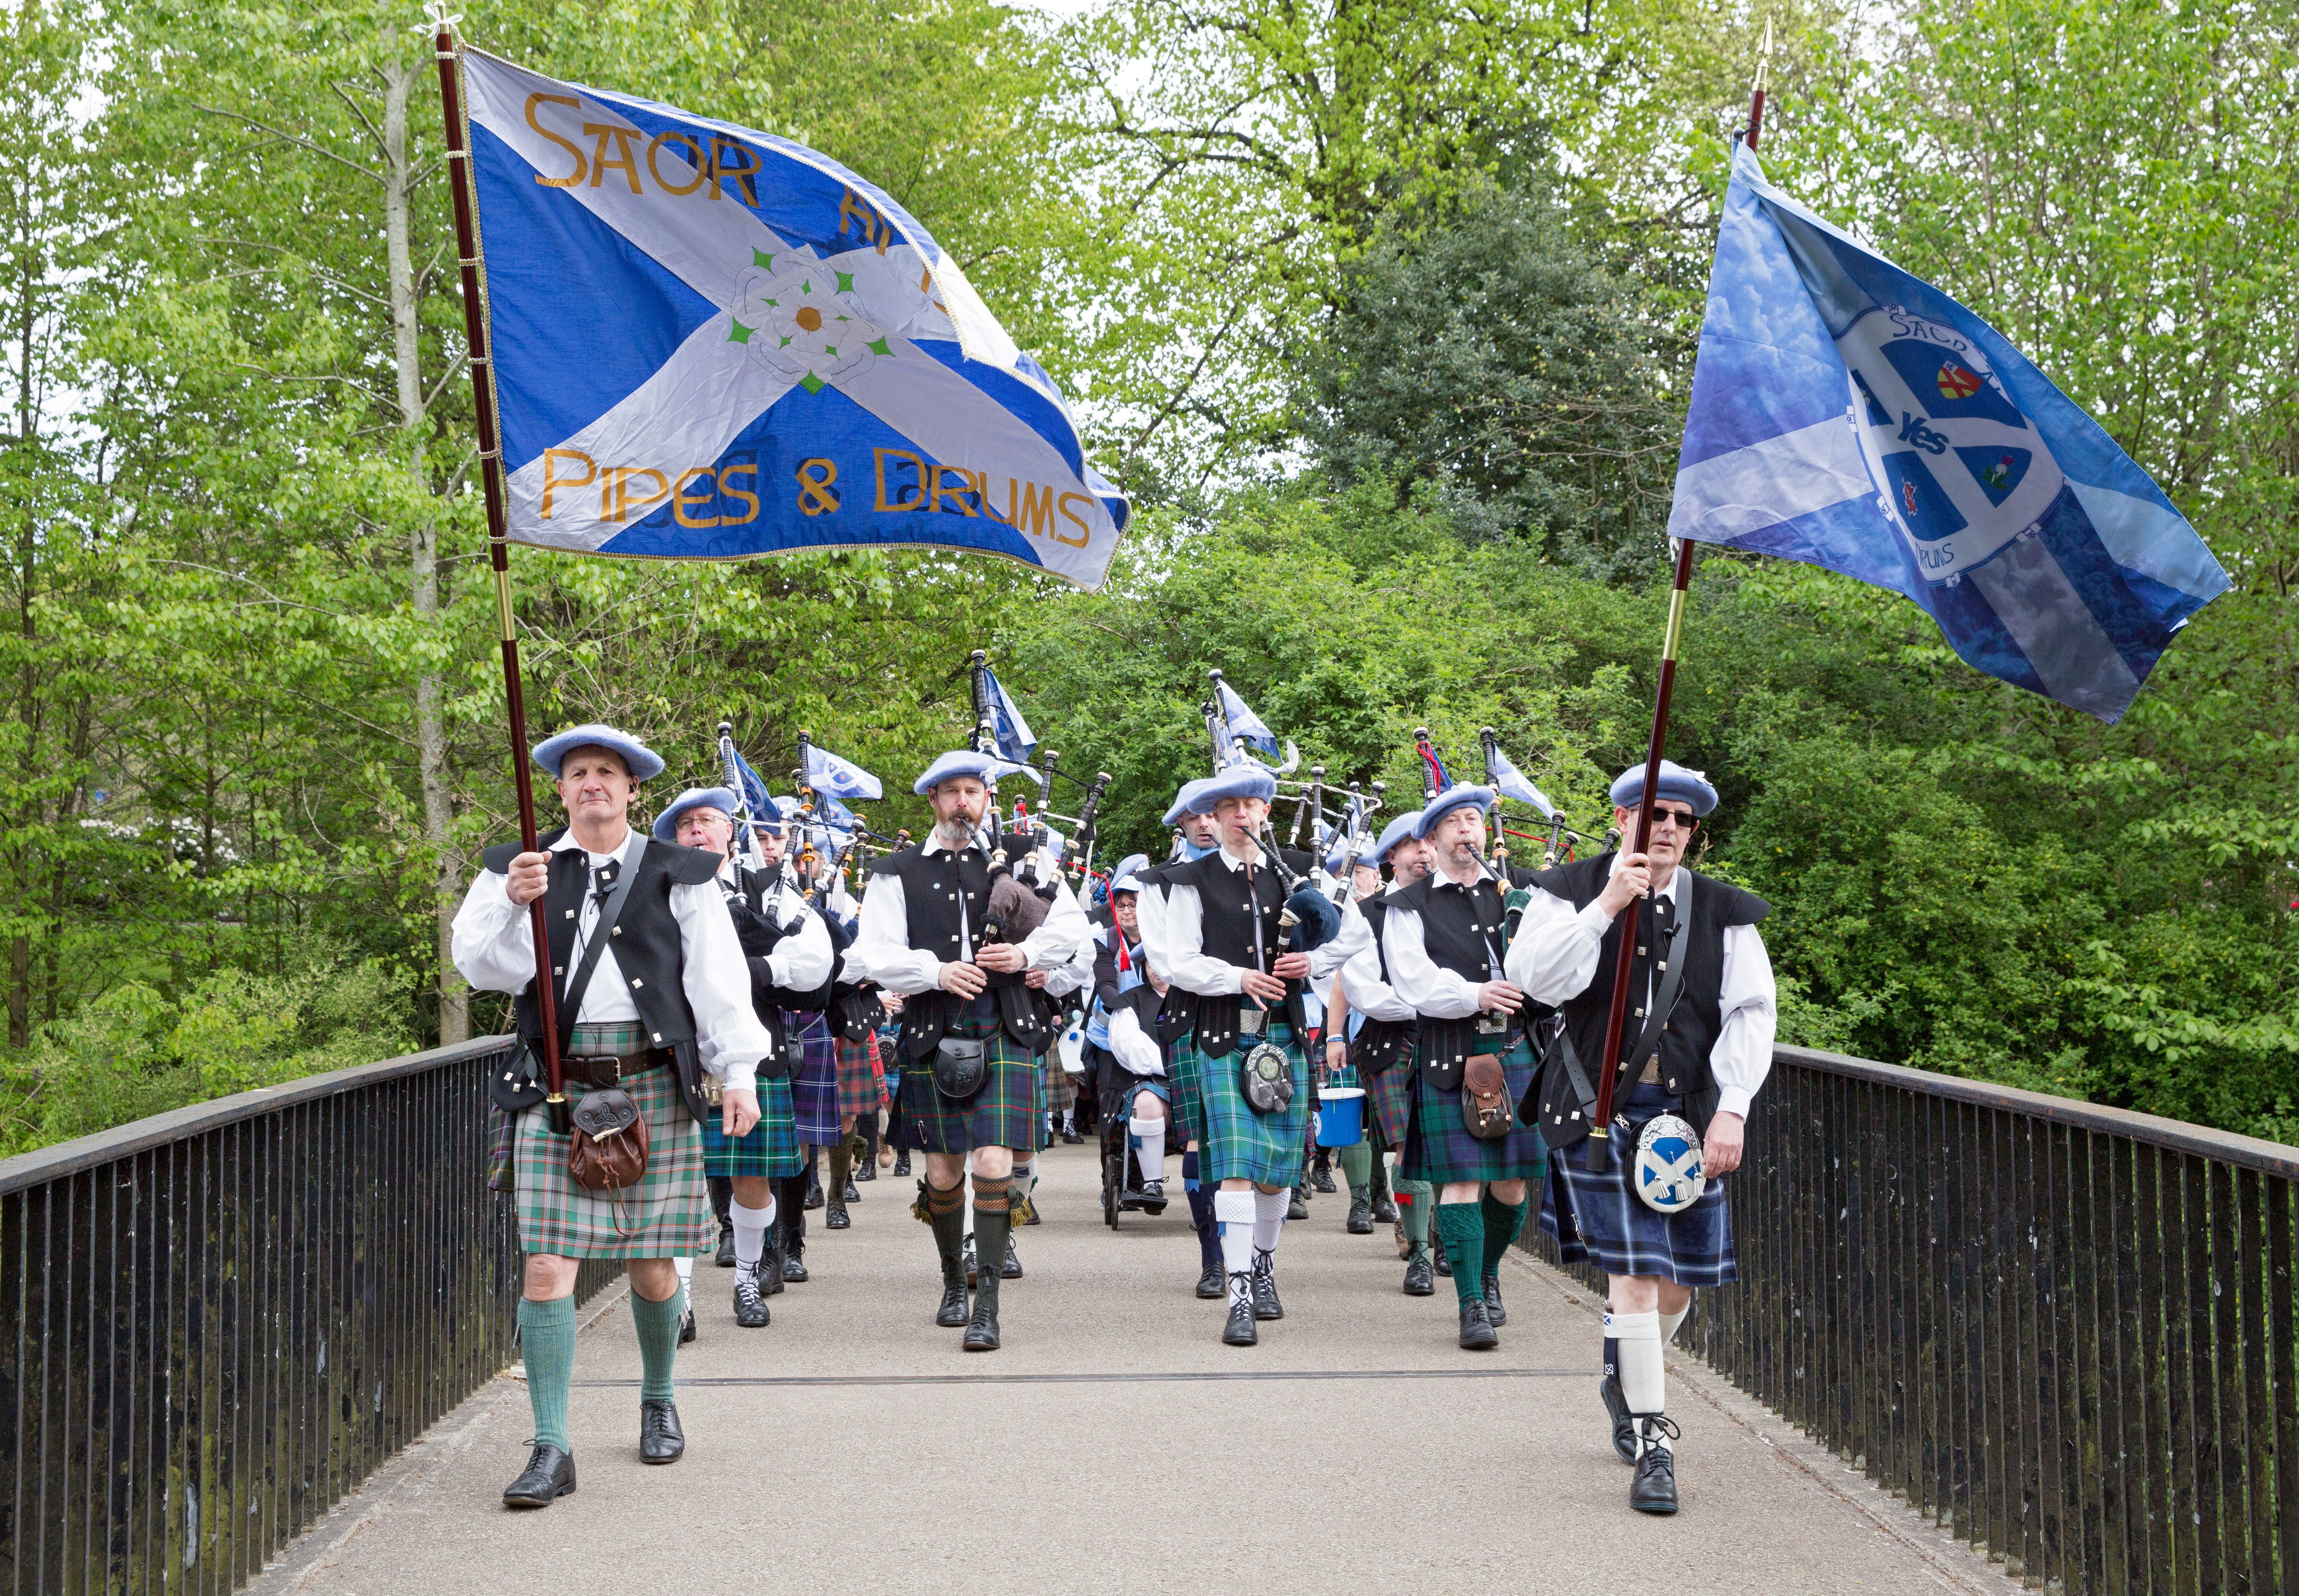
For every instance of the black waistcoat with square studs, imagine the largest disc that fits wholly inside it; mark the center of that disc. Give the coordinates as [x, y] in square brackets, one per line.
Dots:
[933, 885]
[1228, 918]
[1461, 931]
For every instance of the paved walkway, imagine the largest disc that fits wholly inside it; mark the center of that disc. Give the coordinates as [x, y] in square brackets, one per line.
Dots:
[1114, 1445]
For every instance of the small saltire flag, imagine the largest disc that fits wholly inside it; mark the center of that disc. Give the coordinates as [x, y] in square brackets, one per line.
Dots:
[1243, 724]
[1014, 739]
[756, 798]
[836, 779]
[1509, 782]
[1848, 415]
[710, 342]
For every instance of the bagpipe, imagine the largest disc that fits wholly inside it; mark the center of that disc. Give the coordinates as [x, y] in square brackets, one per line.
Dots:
[1021, 890]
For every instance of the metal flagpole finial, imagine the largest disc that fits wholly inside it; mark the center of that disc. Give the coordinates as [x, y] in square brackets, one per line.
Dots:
[1763, 58]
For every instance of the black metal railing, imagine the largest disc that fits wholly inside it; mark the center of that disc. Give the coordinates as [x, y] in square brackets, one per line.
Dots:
[2064, 1332]
[216, 1323]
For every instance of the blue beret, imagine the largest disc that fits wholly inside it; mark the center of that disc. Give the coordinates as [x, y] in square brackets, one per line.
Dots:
[1686, 786]
[638, 759]
[984, 768]
[1185, 801]
[1446, 802]
[1396, 832]
[666, 824]
[1127, 876]
[1239, 781]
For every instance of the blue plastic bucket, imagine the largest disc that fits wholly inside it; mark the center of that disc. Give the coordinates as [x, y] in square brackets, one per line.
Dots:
[1340, 1116]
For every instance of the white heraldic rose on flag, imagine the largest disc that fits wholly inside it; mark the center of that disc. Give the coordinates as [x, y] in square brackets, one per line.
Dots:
[711, 343]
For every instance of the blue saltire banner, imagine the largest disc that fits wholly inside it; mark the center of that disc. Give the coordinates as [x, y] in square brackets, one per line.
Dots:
[711, 343]
[1848, 415]
[826, 773]
[1012, 734]
[1243, 724]
[1510, 782]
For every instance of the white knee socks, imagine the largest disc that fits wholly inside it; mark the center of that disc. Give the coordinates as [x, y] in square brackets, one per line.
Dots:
[751, 1226]
[1268, 1219]
[1149, 1146]
[1644, 1380]
[1670, 1321]
[1234, 1218]
[685, 1267]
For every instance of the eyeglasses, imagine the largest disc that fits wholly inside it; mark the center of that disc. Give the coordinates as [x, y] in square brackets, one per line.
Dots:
[1684, 817]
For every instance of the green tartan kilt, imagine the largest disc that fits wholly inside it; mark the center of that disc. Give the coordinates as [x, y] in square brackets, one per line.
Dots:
[771, 1149]
[667, 1215]
[1439, 1148]
[1008, 1111]
[1235, 1143]
[1188, 1102]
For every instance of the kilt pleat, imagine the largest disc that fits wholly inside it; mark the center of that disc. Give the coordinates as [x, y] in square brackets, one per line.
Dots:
[861, 1081]
[815, 1088]
[1597, 1219]
[1181, 1065]
[1440, 1150]
[1389, 1096]
[771, 1149]
[1008, 1111]
[667, 1215]
[1234, 1143]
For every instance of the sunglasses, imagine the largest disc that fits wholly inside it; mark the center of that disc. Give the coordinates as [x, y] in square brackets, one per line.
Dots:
[1684, 817]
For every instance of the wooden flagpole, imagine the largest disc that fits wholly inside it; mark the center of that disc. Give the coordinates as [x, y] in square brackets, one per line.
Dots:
[1631, 927]
[483, 397]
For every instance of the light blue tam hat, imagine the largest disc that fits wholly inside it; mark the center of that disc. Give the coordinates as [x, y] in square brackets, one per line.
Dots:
[641, 761]
[1394, 833]
[1239, 781]
[984, 768]
[666, 824]
[1676, 782]
[1446, 802]
[1185, 801]
[1127, 876]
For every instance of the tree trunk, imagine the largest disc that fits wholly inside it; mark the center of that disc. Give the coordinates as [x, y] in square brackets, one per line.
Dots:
[399, 81]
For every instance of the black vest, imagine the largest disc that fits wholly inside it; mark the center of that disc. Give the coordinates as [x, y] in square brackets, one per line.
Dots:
[645, 942]
[933, 885]
[1226, 933]
[1716, 906]
[1379, 1043]
[1456, 925]
[756, 885]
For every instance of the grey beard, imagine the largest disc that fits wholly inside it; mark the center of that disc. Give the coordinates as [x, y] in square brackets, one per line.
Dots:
[954, 835]
[1465, 856]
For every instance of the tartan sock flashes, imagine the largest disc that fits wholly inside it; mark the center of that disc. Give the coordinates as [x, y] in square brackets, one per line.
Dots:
[658, 1328]
[1502, 1222]
[546, 1344]
[992, 1220]
[1462, 1228]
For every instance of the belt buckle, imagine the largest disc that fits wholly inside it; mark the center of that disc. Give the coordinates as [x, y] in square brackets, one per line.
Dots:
[1489, 1024]
[1250, 1019]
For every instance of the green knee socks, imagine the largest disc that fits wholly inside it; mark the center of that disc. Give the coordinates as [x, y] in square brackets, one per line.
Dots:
[1356, 1169]
[1414, 1199]
[546, 1344]
[1503, 1220]
[1461, 1228]
[946, 1212]
[992, 1222]
[658, 1327]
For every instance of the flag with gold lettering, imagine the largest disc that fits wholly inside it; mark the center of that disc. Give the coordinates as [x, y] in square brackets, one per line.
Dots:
[711, 343]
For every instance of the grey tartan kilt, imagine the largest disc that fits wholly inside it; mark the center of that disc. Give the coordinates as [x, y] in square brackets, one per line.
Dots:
[1234, 1143]
[1008, 1111]
[667, 1215]
[1440, 1150]
[1597, 1219]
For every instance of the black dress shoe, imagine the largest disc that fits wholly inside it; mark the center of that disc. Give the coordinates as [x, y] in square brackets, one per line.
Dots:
[660, 1440]
[1211, 1282]
[1153, 1196]
[902, 1160]
[972, 1270]
[549, 1474]
[866, 1170]
[1240, 1331]
[1494, 1311]
[852, 1194]
[982, 1329]
[750, 1310]
[1419, 1281]
[1323, 1179]
[951, 1314]
[1297, 1207]
[1624, 1423]
[1266, 1305]
[836, 1219]
[813, 1196]
[726, 1259]
[1477, 1333]
[771, 1267]
[794, 1267]
[1028, 1213]
[1444, 1264]
[686, 1328]
[1360, 1217]
[1384, 1210]
[1011, 1268]
[1653, 1490]
[1070, 1137]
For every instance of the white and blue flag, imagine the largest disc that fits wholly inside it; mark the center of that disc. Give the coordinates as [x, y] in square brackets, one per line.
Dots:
[835, 777]
[1243, 724]
[711, 343]
[1850, 416]
[1008, 731]
[1510, 782]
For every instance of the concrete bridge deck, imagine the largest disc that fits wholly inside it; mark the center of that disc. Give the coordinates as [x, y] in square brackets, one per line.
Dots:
[1114, 1445]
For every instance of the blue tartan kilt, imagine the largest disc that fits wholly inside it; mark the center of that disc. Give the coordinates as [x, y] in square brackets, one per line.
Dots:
[1237, 1144]
[771, 1149]
[1440, 1149]
[1188, 1102]
[814, 1090]
[1597, 1219]
[1008, 1111]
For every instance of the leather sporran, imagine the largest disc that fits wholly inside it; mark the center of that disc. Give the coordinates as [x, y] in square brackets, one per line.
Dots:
[608, 1151]
[1485, 1098]
[1265, 1078]
[960, 1066]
